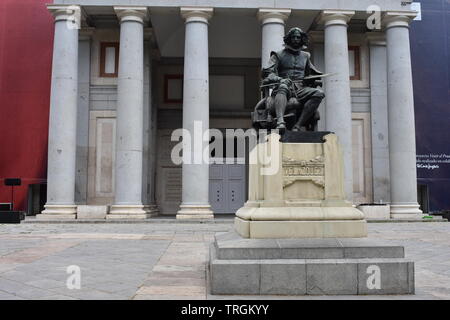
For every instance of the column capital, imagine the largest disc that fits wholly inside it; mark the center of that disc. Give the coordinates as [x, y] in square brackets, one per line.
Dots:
[269, 15]
[398, 18]
[136, 14]
[196, 14]
[376, 38]
[64, 12]
[335, 17]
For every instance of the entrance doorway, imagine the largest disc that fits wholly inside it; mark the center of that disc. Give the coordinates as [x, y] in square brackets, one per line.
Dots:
[227, 187]
[227, 175]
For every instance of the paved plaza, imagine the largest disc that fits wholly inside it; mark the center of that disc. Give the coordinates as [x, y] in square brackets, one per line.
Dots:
[168, 260]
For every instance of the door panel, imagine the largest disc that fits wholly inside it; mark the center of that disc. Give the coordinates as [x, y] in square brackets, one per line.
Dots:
[226, 187]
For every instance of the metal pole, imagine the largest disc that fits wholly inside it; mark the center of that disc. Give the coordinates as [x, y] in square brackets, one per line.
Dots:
[12, 198]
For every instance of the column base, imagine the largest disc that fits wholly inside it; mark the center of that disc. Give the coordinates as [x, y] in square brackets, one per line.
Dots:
[92, 212]
[188, 211]
[151, 210]
[406, 211]
[58, 212]
[127, 211]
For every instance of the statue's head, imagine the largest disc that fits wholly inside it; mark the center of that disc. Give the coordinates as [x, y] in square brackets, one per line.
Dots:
[296, 38]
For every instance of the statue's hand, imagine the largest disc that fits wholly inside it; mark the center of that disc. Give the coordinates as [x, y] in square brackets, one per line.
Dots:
[286, 82]
[273, 78]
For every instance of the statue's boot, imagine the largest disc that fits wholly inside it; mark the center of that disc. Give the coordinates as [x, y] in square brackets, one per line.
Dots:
[308, 111]
[280, 103]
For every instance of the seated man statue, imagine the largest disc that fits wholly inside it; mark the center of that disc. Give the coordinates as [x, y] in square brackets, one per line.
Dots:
[291, 92]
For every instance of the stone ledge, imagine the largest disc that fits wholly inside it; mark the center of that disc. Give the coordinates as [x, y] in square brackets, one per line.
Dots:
[230, 246]
[300, 229]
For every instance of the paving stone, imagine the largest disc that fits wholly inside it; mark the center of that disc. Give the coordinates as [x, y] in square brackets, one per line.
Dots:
[174, 281]
[166, 297]
[172, 290]
[9, 296]
[57, 297]
[44, 283]
[20, 276]
[103, 246]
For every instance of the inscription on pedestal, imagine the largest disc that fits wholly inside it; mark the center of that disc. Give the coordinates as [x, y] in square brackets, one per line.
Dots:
[304, 170]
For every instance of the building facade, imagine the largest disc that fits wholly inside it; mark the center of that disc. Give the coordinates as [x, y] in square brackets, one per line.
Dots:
[126, 74]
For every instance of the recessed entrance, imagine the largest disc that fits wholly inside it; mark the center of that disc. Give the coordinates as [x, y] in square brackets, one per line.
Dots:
[226, 187]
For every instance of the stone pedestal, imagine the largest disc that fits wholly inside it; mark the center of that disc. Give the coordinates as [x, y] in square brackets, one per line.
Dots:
[297, 235]
[296, 190]
[308, 267]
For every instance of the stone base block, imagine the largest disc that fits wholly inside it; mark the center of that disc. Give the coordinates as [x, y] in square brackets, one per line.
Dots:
[301, 229]
[58, 212]
[193, 212]
[308, 267]
[127, 212]
[374, 212]
[91, 212]
[406, 211]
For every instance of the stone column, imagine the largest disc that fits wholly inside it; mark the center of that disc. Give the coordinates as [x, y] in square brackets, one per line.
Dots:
[84, 78]
[316, 47]
[337, 87]
[195, 176]
[273, 23]
[62, 142]
[130, 112]
[402, 134]
[148, 184]
[379, 117]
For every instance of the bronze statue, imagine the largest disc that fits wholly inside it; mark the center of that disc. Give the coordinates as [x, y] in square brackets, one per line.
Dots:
[295, 97]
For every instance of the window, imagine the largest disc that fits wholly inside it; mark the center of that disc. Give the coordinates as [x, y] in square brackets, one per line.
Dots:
[109, 59]
[173, 88]
[354, 63]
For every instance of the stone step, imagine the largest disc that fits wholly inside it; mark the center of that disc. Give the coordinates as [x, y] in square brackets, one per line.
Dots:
[230, 246]
[348, 276]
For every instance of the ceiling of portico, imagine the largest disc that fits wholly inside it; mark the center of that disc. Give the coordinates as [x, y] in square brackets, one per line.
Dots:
[233, 32]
